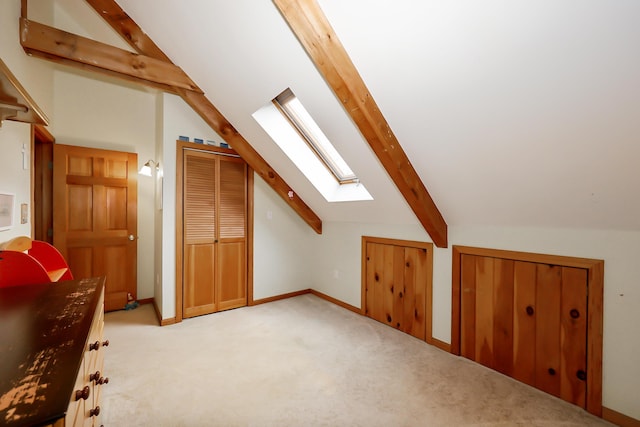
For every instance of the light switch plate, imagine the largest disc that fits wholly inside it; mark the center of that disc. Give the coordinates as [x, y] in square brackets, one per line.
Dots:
[24, 213]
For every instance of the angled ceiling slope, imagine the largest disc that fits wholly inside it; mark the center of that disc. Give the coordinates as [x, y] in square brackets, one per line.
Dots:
[151, 67]
[311, 27]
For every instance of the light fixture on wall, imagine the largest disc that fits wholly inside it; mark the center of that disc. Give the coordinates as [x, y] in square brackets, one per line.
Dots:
[146, 169]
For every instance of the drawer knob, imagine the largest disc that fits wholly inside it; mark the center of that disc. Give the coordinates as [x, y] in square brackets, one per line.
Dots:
[94, 346]
[94, 412]
[83, 394]
[105, 343]
[103, 380]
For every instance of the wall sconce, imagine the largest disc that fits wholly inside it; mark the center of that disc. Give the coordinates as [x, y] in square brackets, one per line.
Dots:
[146, 169]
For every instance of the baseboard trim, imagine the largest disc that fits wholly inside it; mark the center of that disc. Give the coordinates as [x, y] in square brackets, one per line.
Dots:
[441, 344]
[619, 419]
[335, 301]
[161, 321]
[279, 297]
[146, 301]
[169, 321]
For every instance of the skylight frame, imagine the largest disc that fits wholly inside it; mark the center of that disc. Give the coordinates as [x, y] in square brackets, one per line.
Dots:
[300, 119]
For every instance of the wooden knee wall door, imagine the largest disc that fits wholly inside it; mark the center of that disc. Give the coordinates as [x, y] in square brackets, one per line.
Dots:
[397, 284]
[535, 318]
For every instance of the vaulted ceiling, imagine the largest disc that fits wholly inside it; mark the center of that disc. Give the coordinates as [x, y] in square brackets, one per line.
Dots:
[511, 112]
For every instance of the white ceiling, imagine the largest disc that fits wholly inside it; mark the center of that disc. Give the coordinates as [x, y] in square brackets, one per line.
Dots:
[513, 112]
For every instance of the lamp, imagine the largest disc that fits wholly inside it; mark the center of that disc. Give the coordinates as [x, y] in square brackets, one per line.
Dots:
[146, 168]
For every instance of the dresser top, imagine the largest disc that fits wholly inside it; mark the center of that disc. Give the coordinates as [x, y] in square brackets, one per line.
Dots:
[43, 334]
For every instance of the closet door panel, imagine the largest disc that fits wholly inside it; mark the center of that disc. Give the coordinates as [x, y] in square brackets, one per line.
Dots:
[503, 316]
[468, 307]
[415, 279]
[232, 289]
[199, 275]
[484, 311]
[396, 278]
[573, 335]
[232, 206]
[371, 282]
[548, 299]
[524, 322]
[397, 290]
[199, 217]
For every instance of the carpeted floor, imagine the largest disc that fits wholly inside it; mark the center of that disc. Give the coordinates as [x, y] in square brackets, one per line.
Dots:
[304, 362]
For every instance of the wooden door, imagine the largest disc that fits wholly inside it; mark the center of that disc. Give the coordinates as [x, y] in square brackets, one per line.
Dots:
[527, 320]
[214, 191]
[200, 232]
[396, 286]
[231, 263]
[95, 217]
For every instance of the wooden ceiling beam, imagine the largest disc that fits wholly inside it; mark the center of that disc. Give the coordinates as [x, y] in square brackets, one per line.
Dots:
[48, 42]
[311, 27]
[118, 19]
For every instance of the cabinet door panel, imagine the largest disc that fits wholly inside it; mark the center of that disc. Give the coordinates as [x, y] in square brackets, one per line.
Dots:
[415, 279]
[573, 335]
[396, 278]
[524, 322]
[484, 311]
[468, 307]
[503, 316]
[548, 299]
[388, 279]
[397, 291]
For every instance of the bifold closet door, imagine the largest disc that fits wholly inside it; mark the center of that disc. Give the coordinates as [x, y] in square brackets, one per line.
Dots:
[215, 233]
[528, 321]
[231, 280]
[200, 233]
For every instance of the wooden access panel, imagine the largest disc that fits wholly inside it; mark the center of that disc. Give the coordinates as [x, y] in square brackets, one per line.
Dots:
[397, 284]
[537, 319]
[95, 217]
[214, 232]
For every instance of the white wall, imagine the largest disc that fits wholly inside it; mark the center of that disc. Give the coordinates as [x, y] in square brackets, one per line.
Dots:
[283, 245]
[36, 77]
[338, 249]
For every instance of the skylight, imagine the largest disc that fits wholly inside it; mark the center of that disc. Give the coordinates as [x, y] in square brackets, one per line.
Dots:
[295, 112]
[293, 129]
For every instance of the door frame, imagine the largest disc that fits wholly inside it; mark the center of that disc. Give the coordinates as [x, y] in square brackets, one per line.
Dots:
[180, 147]
[42, 207]
[595, 280]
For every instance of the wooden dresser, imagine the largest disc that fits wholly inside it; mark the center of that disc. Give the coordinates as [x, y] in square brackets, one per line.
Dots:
[52, 353]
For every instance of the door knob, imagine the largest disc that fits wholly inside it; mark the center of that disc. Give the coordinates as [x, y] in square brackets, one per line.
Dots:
[132, 237]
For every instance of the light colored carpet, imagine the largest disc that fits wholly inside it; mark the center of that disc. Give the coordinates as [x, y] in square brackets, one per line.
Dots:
[304, 362]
